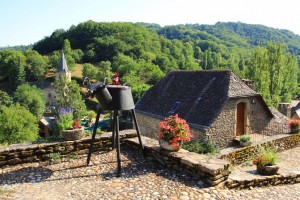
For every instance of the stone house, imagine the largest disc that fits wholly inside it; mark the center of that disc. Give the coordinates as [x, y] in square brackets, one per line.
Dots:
[291, 110]
[216, 104]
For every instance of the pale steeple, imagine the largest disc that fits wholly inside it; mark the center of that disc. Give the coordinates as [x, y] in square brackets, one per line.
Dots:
[63, 67]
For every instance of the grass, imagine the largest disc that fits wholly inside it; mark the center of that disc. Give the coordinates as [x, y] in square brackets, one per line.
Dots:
[77, 70]
[55, 156]
[202, 147]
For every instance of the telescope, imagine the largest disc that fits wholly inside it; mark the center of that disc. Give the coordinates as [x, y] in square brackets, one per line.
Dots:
[115, 98]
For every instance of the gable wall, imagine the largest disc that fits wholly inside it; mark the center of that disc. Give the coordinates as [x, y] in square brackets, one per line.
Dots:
[222, 131]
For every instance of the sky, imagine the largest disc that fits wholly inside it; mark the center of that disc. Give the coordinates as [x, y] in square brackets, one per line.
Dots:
[24, 22]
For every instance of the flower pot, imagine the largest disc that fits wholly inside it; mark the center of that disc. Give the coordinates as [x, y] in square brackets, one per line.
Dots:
[268, 169]
[167, 146]
[71, 135]
[294, 129]
[245, 144]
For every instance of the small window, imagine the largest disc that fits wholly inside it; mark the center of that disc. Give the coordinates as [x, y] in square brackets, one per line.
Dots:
[174, 107]
[49, 95]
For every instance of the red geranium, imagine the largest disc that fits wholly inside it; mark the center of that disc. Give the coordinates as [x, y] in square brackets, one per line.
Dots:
[294, 123]
[174, 130]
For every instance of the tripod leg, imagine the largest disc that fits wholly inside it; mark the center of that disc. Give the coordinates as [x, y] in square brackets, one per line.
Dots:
[137, 131]
[114, 131]
[94, 134]
[118, 143]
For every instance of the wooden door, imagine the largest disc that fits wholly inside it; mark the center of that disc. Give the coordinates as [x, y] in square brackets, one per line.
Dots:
[240, 119]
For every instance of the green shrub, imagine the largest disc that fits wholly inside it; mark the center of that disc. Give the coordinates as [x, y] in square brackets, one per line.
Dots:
[55, 156]
[17, 125]
[203, 147]
[245, 138]
[266, 158]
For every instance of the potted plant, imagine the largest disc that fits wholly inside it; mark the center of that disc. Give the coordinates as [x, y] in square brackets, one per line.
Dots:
[245, 140]
[266, 163]
[172, 132]
[294, 125]
[70, 128]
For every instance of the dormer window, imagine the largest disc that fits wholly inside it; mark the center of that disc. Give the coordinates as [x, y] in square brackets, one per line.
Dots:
[174, 108]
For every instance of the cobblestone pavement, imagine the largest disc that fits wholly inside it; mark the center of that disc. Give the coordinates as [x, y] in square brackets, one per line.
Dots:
[141, 179]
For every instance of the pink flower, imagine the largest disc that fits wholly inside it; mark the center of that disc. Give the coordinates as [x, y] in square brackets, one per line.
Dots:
[174, 130]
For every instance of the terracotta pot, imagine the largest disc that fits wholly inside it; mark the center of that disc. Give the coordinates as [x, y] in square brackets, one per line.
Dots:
[167, 146]
[268, 169]
[71, 135]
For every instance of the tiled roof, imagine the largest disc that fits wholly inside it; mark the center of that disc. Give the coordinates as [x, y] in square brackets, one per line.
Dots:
[197, 96]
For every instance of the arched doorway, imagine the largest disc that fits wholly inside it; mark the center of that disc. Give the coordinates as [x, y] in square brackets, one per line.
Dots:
[240, 119]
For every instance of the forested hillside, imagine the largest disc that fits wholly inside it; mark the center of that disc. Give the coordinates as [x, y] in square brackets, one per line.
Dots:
[143, 53]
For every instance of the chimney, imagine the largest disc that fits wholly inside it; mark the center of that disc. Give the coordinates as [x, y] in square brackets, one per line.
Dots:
[249, 83]
[285, 109]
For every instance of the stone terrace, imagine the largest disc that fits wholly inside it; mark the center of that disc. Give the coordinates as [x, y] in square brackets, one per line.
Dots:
[141, 178]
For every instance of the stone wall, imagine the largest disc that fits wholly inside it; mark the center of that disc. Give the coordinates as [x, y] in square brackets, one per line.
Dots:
[17, 154]
[222, 131]
[281, 144]
[149, 127]
[263, 181]
[211, 170]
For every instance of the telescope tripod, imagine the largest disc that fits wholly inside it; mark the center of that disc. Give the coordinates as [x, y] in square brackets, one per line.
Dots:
[115, 135]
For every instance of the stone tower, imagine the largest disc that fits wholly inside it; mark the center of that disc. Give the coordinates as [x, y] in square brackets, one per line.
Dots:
[62, 69]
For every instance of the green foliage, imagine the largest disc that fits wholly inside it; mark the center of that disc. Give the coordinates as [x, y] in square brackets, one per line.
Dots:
[55, 156]
[275, 73]
[89, 70]
[17, 125]
[5, 99]
[73, 155]
[12, 66]
[69, 96]
[266, 158]
[245, 138]
[150, 51]
[203, 147]
[65, 121]
[36, 65]
[32, 98]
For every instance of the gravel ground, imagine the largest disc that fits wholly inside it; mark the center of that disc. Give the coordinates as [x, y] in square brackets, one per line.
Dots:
[141, 179]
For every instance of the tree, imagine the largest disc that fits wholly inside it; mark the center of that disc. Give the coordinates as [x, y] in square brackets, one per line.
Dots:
[12, 65]
[105, 71]
[36, 66]
[69, 96]
[5, 99]
[89, 70]
[275, 73]
[32, 98]
[17, 125]
[68, 53]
